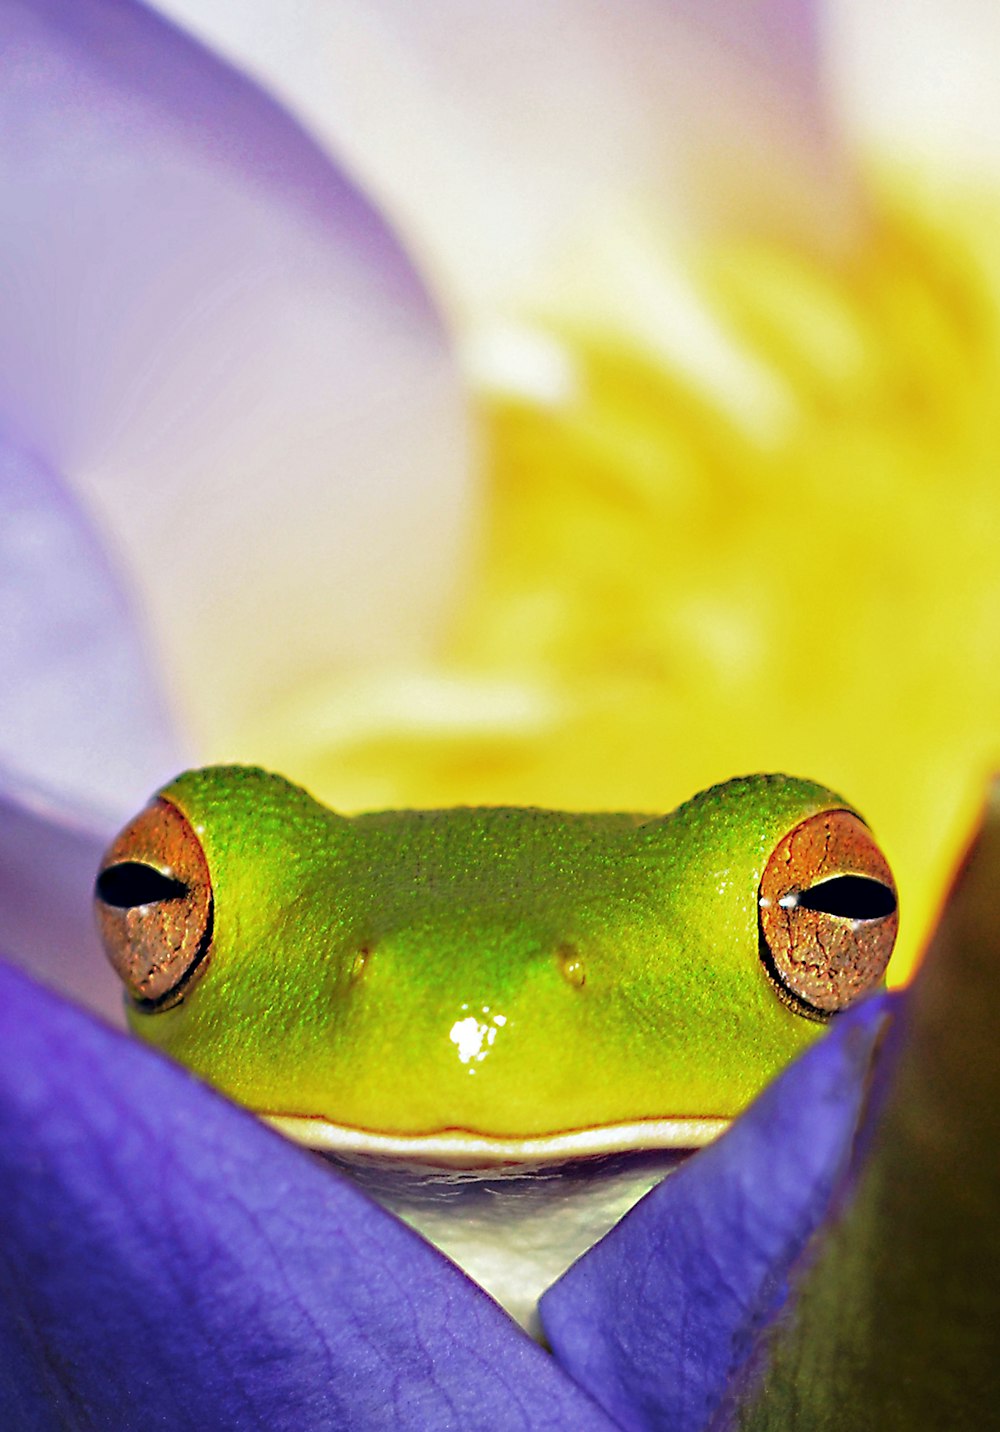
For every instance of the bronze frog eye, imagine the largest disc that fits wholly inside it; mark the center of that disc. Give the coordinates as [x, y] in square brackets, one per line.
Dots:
[828, 914]
[153, 900]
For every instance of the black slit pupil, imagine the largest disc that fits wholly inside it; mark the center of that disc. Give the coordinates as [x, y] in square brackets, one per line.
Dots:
[131, 883]
[854, 897]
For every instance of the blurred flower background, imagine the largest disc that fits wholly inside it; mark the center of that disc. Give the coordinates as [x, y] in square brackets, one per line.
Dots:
[643, 433]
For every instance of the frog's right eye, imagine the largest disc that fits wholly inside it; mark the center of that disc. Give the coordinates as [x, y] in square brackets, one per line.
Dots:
[153, 900]
[828, 914]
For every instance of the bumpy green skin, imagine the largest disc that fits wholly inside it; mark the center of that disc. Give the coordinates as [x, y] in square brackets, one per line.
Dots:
[356, 961]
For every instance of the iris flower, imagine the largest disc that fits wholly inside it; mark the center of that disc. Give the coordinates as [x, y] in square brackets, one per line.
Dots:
[235, 427]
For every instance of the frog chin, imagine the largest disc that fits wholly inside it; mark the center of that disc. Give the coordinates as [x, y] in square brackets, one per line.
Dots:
[512, 1213]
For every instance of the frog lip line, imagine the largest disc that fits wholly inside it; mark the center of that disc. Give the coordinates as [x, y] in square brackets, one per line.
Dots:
[458, 1149]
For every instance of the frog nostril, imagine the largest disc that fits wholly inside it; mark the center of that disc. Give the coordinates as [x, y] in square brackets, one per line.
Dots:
[360, 962]
[571, 966]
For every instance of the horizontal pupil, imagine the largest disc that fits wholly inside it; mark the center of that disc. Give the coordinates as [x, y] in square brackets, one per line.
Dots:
[131, 883]
[854, 897]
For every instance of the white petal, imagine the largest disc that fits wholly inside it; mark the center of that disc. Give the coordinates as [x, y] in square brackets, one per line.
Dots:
[501, 134]
[918, 81]
[212, 334]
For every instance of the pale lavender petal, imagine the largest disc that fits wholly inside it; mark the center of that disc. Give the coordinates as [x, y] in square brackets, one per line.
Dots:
[503, 135]
[84, 735]
[215, 338]
[47, 865]
[82, 714]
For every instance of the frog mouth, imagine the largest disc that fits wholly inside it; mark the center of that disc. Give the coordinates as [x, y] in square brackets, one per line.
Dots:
[463, 1149]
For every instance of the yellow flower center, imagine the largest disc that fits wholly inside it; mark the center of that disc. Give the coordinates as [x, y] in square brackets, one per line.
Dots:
[781, 555]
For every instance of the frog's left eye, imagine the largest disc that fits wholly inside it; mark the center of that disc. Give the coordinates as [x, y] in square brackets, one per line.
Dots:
[828, 914]
[153, 899]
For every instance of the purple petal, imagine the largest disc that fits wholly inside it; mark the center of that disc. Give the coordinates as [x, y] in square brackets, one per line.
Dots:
[658, 1317]
[166, 1261]
[219, 343]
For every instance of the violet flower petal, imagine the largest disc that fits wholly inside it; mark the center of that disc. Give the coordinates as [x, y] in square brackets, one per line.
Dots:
[219, 343]
[167, 1261]
[657, 1318]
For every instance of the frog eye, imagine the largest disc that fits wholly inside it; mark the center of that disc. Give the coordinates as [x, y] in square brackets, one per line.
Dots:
[828, 914]
[153, 900]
